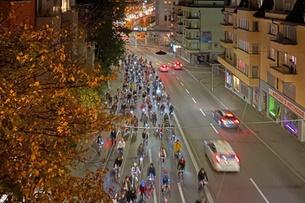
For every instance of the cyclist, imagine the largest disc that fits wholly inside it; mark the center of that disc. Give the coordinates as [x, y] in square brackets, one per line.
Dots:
[171, 109]
[177, 148]
[162, 154]
[145, 137]
[151, 171]
[121, 146]
[202, 178]
[154, 118]
[135, 172]
[181, 164]
[142, 189]
[100, 143]
[118, 161]
[165, 181]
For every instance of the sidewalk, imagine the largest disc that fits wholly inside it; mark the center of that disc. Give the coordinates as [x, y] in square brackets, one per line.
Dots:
[287, 148]
[93, 160]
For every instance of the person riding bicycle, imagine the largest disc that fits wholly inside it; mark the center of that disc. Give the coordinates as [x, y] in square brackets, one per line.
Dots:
[165, 117]
[135, 170]
[142, 188]
[99, 140]
[162, 154]
[177, 146]
[165, 181]
[154, 118]
[145, 136]
[202, 177]
[140, 151]
[171, 109]
[121, 146]
[151, 171]
[181, 164]
[118, 161]
[162, 108]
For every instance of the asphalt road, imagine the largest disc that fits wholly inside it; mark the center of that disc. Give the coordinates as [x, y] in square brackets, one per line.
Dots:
[263, 176]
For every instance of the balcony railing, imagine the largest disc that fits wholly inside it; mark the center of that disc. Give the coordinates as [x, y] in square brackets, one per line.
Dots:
[192, 38]
[226, 40]
[192, 28]
[193, 17]
[280, 38]
[283, 69]
[226, 24]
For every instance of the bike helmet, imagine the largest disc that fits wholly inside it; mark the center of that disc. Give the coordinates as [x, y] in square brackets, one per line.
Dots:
[135, 164]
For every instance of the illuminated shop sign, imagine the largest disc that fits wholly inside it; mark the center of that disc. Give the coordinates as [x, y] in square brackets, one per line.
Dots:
[287, 103]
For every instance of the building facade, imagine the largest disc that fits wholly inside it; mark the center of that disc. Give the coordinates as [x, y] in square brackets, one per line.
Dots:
[164, 13]
[264, 51]
[20, 12]
[197, 34]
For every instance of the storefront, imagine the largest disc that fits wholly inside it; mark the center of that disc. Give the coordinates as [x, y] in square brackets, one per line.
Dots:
[287, 113]
[274, 108]
[237, 86]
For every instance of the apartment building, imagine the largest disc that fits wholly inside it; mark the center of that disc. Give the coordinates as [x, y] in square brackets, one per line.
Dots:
[164, 12]
[197, 32]
[62, 15]
[264, 51]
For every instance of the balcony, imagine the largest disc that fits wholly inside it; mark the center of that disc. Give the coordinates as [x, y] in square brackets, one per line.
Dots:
[252, 82]
[283, 73]
[248, 57]
[247, 35]
[180, 14]
[189, 38]
[284, 44]
[192, 18]
[191, 28]
[226, 43]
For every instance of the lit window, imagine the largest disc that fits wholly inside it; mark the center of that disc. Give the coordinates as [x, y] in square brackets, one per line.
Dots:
[65, 5]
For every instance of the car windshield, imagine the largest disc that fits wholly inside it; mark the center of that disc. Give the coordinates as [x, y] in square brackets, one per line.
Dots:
[227, 156]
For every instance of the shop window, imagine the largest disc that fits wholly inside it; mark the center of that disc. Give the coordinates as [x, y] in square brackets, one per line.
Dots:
[236, 84]
[291, 121]
[274, 108]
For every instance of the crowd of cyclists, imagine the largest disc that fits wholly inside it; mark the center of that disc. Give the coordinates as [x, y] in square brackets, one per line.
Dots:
[142, 98]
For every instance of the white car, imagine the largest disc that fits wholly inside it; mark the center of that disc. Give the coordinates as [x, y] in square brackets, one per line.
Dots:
[221, 155]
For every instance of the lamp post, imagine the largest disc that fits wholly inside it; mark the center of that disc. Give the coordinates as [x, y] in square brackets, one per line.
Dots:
[213, 65]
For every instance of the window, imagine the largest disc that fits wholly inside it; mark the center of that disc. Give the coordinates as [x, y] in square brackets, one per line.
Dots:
[242, 67]
[254, 71]
[289, 90]
[255, 49]
[273, 29]
[255, 26]
[243, 24]
[65, 5]
[271, 53]
[243, 45]
[165, 18]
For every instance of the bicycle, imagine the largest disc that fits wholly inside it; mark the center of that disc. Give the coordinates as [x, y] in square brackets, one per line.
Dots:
[181, 176]
[165, 191]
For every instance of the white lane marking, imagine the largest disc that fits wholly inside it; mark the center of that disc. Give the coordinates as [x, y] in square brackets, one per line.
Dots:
[157, 63]
[260, 192]
[177, 77]
[191, 75]
[202, 112]
[181, 83]
[154, 191]
[187, 145]
[149, 156]
[181, 193]
[187, 91]
[216, 131]
[194, 100]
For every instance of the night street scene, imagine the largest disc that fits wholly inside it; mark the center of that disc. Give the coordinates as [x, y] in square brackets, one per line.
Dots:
[152, 101]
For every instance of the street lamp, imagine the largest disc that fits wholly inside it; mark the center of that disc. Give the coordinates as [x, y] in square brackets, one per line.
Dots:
[213, 65]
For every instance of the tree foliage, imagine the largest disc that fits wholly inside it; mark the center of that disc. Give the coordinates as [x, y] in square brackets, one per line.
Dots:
[104, 20]
[45, 111]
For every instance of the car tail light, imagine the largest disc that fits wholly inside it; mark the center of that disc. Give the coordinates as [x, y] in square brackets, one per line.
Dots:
[217, 158]
[236, 158]
[222, 120]
[236, 121]
[229, 115]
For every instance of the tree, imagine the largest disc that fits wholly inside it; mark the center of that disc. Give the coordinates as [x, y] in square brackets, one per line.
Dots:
[104, 21]
[43, 117]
